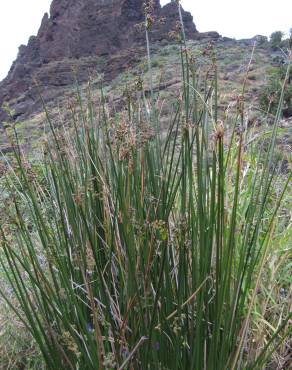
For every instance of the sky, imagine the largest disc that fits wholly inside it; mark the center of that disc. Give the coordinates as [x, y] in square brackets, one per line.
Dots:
[20, 19]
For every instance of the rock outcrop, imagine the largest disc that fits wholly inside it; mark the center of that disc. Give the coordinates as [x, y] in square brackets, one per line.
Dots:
[79, 34]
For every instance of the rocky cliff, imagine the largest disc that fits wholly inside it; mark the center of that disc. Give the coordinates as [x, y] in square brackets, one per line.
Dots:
[78, 34]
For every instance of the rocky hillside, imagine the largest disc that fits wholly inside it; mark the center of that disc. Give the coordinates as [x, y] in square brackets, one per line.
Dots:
[105, 40]
[85, 36]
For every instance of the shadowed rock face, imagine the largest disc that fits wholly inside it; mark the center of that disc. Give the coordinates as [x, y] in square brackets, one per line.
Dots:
[77, 33]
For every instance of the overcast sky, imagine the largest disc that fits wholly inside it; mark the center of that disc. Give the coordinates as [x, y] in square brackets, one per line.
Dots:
[20, 19]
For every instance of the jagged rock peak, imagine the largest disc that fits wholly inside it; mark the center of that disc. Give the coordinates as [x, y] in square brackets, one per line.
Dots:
[76, 30]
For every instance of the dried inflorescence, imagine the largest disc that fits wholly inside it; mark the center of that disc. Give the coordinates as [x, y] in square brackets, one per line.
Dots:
[126, 137]
[219, 131]
[149, 10]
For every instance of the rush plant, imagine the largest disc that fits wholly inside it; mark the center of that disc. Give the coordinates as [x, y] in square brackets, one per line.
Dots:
[140, 250]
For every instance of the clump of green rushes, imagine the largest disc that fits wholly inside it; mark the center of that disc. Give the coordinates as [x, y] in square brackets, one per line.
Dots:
[138, 250]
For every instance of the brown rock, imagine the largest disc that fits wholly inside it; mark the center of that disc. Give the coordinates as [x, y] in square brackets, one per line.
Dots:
[76, 35]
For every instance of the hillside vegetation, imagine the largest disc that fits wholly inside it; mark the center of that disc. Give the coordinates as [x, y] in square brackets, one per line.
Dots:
[150, 228]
